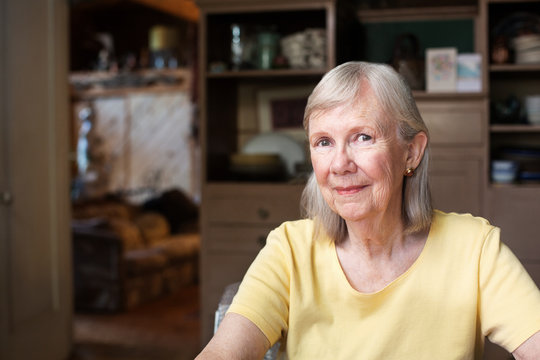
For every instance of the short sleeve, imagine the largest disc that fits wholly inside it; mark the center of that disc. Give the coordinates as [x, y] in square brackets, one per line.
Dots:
[263, 296]
[509, 298]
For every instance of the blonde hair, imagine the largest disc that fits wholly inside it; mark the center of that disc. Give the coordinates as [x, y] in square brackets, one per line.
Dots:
[342, 86]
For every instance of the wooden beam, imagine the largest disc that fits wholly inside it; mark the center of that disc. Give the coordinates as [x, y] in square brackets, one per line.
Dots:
[185, 9]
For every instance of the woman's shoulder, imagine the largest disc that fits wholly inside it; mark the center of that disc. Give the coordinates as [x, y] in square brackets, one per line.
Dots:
[295, 230]
[298, 234]
[464, 219]
[461, 225]
[297, 225]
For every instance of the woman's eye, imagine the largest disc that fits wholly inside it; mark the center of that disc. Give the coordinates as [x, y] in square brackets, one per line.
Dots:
[364, 137]
[323, 142]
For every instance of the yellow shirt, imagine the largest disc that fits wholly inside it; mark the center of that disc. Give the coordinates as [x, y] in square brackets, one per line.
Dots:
[464, 285]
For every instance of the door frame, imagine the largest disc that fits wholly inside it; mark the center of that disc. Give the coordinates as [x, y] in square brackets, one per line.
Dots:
[3, 187]
[34, 124]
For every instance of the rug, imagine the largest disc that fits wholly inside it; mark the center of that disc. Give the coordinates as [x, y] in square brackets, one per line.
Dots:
[168, 328]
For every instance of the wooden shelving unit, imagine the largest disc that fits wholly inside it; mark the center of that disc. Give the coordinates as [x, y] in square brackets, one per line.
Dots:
[510, 79]
[459, 124]
[424, 95]
[93, 84]
[238, 213]
[266, 73]
[510, 1]
[518, 128]
[417, 13]
[514, 68]
[513, 207]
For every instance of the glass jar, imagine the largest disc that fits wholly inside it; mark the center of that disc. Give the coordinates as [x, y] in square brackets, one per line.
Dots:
[267, 49]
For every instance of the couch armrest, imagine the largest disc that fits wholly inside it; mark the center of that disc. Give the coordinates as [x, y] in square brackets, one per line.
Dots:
[97, 253]
[98, 269]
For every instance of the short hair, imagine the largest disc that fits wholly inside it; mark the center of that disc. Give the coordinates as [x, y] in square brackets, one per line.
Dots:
[342, 86]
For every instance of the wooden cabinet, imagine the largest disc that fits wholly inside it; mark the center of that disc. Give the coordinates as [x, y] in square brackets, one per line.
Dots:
[519, 232]
[458, 151]
[236, 223]
[512, 78]
[223, 122]
[456, 183]
[513, 75]
[513, 207]
[238, 213]
[457, 121]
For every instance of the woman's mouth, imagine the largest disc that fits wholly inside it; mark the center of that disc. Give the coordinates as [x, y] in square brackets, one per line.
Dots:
[349, 190]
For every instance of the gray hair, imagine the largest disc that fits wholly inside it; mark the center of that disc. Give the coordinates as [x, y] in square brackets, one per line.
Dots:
[341, 86]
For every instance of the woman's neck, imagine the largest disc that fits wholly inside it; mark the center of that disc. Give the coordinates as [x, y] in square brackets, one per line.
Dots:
[375, 238]
[376, 253]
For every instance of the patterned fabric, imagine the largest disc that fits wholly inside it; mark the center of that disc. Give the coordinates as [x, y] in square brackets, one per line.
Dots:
[154, 227]
[178, 247]
[128, 232]
[108, 210]
[125, 256]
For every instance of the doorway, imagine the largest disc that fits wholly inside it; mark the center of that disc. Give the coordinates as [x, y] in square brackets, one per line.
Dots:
[135, 189]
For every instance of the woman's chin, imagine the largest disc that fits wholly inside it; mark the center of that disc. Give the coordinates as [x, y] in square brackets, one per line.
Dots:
[353, 214]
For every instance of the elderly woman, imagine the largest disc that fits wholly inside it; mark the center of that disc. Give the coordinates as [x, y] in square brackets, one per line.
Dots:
[375, 272]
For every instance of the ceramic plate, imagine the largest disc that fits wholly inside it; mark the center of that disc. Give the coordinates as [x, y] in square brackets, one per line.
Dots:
[288, 149]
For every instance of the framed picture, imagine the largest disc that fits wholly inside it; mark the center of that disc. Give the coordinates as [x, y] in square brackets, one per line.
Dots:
[469, 72]
[282, 110]
[441, 69]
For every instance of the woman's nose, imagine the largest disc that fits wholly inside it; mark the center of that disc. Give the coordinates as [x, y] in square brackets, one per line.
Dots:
[342, 162]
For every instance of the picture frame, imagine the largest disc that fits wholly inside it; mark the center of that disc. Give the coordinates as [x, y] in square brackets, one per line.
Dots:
[281, 109]
[469, 72]
[441, 69]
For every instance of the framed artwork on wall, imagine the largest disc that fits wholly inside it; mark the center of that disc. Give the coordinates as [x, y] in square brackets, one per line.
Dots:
[282, 110]
[469, 73]
[441, 69]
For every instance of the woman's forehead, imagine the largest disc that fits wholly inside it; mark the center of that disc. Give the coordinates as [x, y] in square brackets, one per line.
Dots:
[363, 111]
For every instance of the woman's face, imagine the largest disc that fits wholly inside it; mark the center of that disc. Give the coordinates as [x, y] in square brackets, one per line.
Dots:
[358, 159]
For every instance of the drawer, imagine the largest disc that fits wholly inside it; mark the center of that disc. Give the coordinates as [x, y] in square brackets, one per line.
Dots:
[515, 210]
[252, 204]
[236, 239]
[454, 123]
[456, 183]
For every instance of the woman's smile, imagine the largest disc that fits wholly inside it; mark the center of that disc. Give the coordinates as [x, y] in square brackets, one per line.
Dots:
[349, 190]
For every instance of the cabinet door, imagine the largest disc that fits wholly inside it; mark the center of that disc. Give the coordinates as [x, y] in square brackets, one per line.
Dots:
[515, 210]
[235, 223]
[218, 271]
[456, 185]
[457, 130]
[454, 124]
[252, 204]
[235, 239]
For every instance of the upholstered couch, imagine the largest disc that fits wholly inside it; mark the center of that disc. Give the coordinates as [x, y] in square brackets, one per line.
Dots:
[125, 255]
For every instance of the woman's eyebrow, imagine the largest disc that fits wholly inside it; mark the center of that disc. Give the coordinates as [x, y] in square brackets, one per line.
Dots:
[318, 134]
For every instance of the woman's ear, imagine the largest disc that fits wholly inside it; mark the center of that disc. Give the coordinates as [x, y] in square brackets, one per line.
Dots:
[416, 149]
